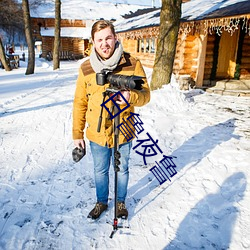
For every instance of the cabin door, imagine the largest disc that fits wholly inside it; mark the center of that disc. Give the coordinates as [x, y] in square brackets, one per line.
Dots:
[227, 55]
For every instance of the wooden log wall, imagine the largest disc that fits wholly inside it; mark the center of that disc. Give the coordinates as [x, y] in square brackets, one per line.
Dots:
[186, 55]
[178, 61]
[146, 59]
[50, 22]
[190, 56]
[47, 45]
[79, 46]
[131, 46]
[66, 44]
[185, 59]
[73, 45]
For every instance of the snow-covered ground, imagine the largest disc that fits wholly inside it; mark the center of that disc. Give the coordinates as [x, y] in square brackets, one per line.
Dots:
[45, 197]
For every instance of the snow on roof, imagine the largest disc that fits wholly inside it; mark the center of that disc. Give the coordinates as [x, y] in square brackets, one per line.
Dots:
[197, 9]
[79, 32]
[85, 10]
[145, 20]
[192, 10]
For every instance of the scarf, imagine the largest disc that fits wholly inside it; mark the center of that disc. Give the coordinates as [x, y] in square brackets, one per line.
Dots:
[98, 64]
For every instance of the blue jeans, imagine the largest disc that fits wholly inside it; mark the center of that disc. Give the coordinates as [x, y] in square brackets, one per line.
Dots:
[102, 158]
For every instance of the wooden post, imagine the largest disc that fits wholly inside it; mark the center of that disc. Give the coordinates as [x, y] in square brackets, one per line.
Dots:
[144, 45]
[201, 60]
[140, 44]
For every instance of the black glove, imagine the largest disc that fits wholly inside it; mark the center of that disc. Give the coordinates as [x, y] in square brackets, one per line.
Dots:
[78, 153]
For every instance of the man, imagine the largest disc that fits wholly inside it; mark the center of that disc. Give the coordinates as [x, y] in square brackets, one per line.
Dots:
[107, 54]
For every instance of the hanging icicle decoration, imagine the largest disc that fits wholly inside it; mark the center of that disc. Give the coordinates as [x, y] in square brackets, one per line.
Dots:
[206, 27]
[231, 25]
[186, 28]
[218, 26]
[246, 25]
[151, 32]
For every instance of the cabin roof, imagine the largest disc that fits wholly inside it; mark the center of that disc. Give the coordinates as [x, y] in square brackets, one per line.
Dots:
[77, 32]
[193, 10]
[208, 9]
[140, 21]
[85, 10]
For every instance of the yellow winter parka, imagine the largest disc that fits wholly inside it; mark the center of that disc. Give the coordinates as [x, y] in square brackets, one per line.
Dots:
[89, 97]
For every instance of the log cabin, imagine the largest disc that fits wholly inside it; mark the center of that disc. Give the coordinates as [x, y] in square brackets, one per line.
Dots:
[213, 41]
[74, 37]
[77, 19]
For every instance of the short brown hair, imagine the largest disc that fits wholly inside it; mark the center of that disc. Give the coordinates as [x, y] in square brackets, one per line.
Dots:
[101, 24]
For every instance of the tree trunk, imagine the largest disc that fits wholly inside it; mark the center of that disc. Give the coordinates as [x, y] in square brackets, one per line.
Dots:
[3, 57]
[168, 34]
[56, 59]
[28, 33]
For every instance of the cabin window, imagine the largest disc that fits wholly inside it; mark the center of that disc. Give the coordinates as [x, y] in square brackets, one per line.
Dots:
[146, 45]
[152, 45]
[138, 45]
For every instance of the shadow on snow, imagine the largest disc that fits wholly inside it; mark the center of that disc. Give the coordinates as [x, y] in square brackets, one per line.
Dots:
[189, 154]
[23, 110]
[209, 225]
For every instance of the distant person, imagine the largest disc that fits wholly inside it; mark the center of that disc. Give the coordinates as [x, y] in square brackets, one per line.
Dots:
[11, 50]
[107, 54]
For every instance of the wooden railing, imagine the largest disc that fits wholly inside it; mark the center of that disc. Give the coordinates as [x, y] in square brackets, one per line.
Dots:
[64, 55]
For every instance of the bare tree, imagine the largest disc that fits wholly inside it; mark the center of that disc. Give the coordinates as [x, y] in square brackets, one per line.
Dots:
[56, 59]
[28, 33]
[36, 3]
[168, 34]
[11, 24]
[3, 57]
[11, 17]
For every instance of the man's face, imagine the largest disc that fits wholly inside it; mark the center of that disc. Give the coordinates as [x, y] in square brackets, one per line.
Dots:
[104, 42]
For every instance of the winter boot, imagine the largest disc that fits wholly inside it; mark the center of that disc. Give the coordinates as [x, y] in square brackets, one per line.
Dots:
[122, 211]
[97, 210]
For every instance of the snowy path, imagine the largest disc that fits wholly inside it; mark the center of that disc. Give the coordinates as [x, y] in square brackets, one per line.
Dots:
[45, 197]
